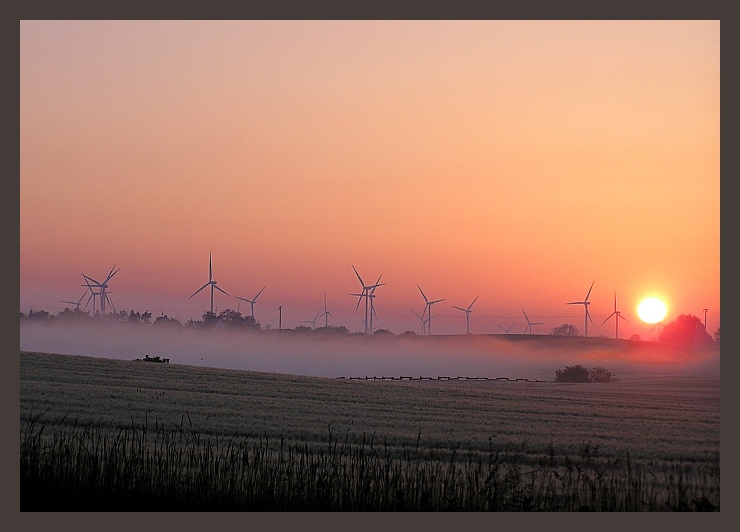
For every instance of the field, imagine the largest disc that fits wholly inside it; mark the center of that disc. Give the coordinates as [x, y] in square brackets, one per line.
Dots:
[645, 443]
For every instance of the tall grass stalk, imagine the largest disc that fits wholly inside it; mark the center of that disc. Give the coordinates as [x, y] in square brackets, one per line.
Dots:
[153, 468]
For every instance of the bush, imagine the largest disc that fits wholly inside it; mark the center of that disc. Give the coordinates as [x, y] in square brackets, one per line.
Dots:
[580, 374]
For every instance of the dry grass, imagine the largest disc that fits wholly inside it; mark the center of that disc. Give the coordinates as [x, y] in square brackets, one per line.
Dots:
[107, 434]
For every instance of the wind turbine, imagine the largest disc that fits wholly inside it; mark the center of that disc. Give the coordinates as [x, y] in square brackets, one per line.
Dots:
[585, 304]
[429, 308]
[617, 316]
[530, 323]
[658, 325]
[422, 320]
[506, 329]
[250, 301]
[93, 294]
[326, 314]
[210, 282]
[313, 322]
[367, 293]
[102, 288]
[76, 303]
[467, 312]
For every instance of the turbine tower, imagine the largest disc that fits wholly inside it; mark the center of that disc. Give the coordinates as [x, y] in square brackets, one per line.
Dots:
[210, 282]
[529, 323]
[467, 312]
[585, 304]
[102, 289]
[326, 314]
[93, 294]
[422, 320]
[428, 307]
[617, 316]
[251, 301]
[368, 292]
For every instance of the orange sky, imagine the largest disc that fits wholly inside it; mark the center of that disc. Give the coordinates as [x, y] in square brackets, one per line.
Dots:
[517, 161]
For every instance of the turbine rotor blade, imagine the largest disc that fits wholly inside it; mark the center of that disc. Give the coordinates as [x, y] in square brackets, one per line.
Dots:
[358, 277]
[220, 289]
[422, 293]
[199, 289]
[589, 291]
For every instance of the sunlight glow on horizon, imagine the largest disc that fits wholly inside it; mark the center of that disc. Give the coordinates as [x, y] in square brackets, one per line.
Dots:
[512, 160]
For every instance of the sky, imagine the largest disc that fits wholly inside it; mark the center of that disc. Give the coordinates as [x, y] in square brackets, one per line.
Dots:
[516, 162]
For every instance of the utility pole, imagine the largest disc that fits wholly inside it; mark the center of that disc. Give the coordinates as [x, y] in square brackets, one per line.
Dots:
[280, 322]
[705, 319]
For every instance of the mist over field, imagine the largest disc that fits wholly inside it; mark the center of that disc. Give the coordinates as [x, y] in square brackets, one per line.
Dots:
[319, 355]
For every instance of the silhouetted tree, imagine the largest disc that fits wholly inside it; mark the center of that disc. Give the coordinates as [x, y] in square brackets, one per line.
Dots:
[332, 329]
[599, 374]
[716, 335]
[565, 330]
[234, 320]
[635, 337]
[37, 315]
[139, 317]
[75, 314]
[579, 373]
[572, 374]
[686, 330]
[383, 332]
[165, 321]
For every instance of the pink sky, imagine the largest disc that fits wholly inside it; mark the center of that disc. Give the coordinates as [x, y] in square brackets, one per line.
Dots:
[517, 161]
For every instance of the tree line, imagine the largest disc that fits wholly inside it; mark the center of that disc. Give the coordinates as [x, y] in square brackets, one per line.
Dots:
[684, 330]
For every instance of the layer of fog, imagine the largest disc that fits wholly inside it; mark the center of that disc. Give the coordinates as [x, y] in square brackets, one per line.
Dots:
[313, 354]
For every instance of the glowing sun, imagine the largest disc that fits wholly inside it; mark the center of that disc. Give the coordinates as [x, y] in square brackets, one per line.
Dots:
[651, 310]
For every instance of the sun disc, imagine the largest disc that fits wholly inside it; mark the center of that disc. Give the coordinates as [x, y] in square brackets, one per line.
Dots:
[651, 310]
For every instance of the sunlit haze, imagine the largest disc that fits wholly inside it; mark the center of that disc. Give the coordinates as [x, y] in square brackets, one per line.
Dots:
[516, 162]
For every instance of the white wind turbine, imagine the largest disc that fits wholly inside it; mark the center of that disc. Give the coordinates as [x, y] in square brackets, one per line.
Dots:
[368, 292]
[76, 303]
[428, 307]
[530, 323]
[467, 312]
[102, 289]
[251, 301]
[585, 304]
[326, 314]
[422, 320]
[210, 282]
[93, 294]
[313, 321]
[617, 316]
[506, 329]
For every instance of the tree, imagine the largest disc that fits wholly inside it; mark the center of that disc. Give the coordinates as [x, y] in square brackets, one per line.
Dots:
[234, 320]
[716, 335]
[565, 330]
[572, 374]
[686, 330]
[165, 321]
[579, 373]
[73, 314]
[599, 374]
